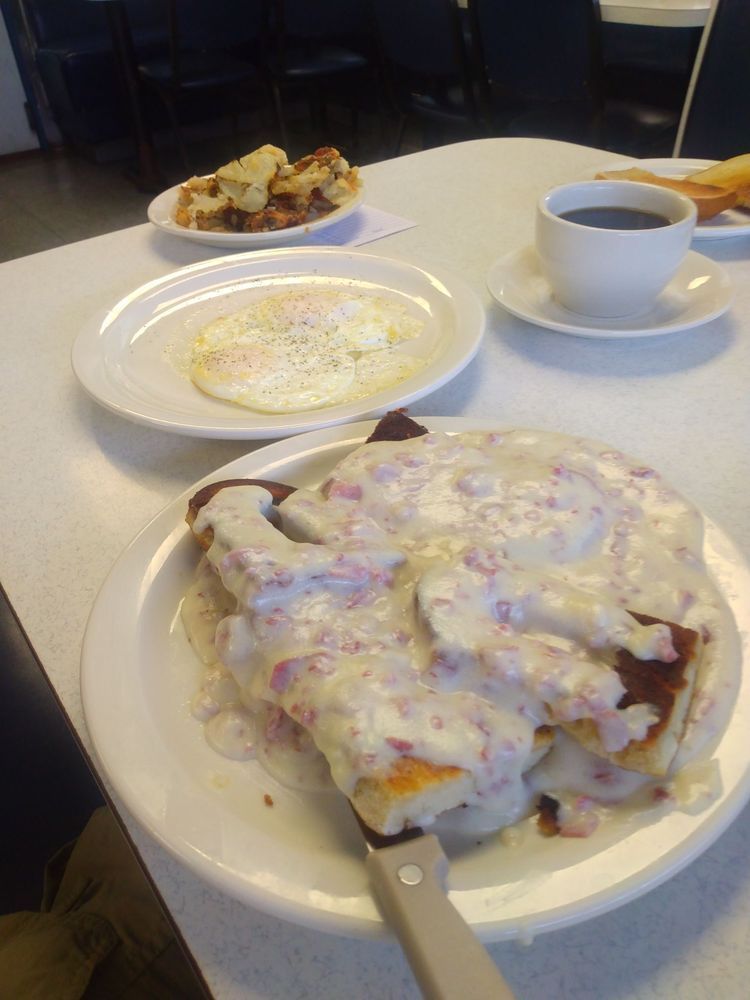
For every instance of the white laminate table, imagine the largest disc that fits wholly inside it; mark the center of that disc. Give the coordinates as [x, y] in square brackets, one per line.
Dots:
[79, 482]
[652, 13]
[656, 13]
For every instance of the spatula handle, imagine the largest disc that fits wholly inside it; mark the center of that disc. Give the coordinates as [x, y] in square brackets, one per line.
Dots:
[447, 960]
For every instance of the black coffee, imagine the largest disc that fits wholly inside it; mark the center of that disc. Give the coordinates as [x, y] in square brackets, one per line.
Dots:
[614, 217]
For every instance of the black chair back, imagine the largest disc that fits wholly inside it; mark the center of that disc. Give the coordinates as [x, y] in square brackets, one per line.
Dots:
[423, 49]
[422, 36]
[206, 25]
[50, 20]
[53, 20]
[205, 61]
[715, 121]
[540, 51]
[317, 40]
[543, 75]
[321, 50]
[333, 20]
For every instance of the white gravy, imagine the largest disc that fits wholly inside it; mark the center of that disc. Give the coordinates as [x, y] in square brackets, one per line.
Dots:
[441, 598]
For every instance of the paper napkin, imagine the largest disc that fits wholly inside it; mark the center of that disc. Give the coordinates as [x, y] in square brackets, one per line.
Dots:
[363, 226]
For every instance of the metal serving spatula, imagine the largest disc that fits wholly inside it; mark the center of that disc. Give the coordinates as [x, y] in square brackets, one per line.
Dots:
[408, 873]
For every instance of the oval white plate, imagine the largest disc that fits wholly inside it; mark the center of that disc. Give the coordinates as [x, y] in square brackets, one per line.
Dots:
[134, 362]
[302, 857]
[699, 292]
[161, 210]
[733, 222]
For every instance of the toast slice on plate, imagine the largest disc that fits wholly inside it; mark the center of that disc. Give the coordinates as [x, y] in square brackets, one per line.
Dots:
[415, 791]
[732, 174]
[709, 198]
[668, 687]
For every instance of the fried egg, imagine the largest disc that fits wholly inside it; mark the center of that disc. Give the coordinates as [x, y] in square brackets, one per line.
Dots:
[305, 349]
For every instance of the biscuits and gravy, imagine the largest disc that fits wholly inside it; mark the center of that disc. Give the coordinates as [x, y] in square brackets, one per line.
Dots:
[460, 620]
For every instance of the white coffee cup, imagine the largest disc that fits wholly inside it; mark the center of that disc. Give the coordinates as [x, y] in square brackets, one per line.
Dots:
[611, 272]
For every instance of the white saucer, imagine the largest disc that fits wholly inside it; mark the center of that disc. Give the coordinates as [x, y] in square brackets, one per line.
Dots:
[699, 292]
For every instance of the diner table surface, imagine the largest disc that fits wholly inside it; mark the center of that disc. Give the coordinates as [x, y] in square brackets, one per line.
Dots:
[656, 13]
[651, 13]
[80, 481]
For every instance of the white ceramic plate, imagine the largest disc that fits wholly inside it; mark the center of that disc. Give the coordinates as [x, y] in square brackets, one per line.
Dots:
[134, 361]
[302, 857]
[700, 291]
[733, 222]
[161, 210]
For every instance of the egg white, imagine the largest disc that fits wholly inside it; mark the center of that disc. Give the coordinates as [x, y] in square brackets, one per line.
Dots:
[378, 370]
[263, 376]
[304, 349]
[355, 322]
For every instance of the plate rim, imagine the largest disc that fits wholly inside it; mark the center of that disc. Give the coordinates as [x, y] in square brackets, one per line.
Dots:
[675, 858]
[471, 323]
[504, 264]
[703, 231]
[158, 207]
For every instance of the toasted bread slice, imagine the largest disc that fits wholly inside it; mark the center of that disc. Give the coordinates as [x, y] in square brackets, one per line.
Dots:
[709, 200]
[546, 819]
[396, 426]
[279, 492]
[393, 426]
[732, 174]
[544, 737]
[415, 791]
[668, 687]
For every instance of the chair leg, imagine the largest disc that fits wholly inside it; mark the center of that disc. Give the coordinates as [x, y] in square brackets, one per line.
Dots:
[383, 129]
[400, 135]
[316, 103]
[234, 115]
[355, 126]
[322, 109]
[171, 107]
[279, 111]
[432, 135]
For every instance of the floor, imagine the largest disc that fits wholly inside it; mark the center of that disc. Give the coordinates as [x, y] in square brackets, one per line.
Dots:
[48, 200]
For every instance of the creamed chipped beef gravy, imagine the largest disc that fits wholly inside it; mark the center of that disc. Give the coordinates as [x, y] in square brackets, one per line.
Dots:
[441, 598]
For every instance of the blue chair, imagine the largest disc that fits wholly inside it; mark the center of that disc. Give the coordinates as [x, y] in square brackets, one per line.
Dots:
[71, 45]
[715, 122]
